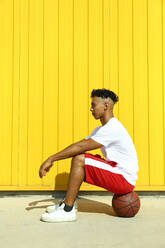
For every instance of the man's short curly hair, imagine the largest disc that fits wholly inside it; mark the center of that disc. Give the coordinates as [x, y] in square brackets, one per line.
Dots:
[104, 93]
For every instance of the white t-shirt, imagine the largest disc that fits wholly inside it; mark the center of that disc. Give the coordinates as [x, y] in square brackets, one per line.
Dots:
[117, 146]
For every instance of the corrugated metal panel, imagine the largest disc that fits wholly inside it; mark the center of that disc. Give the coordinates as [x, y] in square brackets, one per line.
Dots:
[53, 53]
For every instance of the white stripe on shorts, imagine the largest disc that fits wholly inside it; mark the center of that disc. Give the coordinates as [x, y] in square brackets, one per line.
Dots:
[102, 165]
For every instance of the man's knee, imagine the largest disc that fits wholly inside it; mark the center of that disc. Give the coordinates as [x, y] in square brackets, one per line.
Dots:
[79, 159]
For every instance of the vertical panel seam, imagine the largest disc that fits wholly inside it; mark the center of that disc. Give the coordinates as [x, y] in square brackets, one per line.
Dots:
[103, 43]
[43, 95]
[88, 63]
[19, 66]
[163, 86]
[11, 176]
[28, 96]
[148, 96]
[58, 87]
[118, 54]
[109, 71]
[133, 70]
[73, 128]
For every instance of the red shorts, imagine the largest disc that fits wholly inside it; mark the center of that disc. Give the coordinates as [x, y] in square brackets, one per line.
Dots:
[105, 174]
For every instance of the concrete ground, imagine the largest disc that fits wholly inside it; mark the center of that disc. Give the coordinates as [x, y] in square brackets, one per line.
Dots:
[97, 226]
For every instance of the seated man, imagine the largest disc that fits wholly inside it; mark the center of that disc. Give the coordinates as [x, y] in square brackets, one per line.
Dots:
[116, 173]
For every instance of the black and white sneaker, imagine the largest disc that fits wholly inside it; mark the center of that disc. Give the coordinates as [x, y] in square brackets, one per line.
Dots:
[60, 215]
[54, 207]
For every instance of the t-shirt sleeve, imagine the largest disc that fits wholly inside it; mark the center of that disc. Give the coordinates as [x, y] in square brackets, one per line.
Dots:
[104, 135]
[93, 133]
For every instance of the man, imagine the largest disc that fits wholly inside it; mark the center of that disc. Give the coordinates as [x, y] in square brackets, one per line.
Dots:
[116, 173]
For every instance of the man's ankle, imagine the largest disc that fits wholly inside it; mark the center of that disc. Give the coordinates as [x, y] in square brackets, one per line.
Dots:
[67, 207]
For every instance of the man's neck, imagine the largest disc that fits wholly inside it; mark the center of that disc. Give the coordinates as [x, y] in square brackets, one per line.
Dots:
[105, 119]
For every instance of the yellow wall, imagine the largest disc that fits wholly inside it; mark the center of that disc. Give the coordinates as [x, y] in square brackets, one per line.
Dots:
[52, 54]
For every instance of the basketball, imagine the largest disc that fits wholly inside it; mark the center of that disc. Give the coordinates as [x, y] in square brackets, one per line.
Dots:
[126, 205]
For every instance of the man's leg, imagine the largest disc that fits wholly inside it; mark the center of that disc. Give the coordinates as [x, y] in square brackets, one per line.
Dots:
[76, 177]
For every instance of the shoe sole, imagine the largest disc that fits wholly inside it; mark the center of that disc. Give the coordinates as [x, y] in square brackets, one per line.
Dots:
[55, 221]
[51, 211]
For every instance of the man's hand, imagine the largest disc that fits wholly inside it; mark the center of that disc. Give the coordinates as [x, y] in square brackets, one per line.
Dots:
[45, 167]
[70, 151]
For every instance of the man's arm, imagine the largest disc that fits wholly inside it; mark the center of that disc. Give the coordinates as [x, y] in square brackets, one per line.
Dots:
[70, 151]
[76, 149]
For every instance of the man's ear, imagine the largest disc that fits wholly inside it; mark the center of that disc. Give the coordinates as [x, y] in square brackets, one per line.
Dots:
[106, 105]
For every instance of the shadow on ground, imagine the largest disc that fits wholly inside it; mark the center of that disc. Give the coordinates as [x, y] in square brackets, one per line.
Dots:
[91, 206]
[83, 205]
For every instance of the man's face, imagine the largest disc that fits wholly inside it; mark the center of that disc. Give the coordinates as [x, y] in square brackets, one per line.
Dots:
[97, 107]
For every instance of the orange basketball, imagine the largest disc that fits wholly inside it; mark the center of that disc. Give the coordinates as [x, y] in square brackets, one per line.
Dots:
[126, 205]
